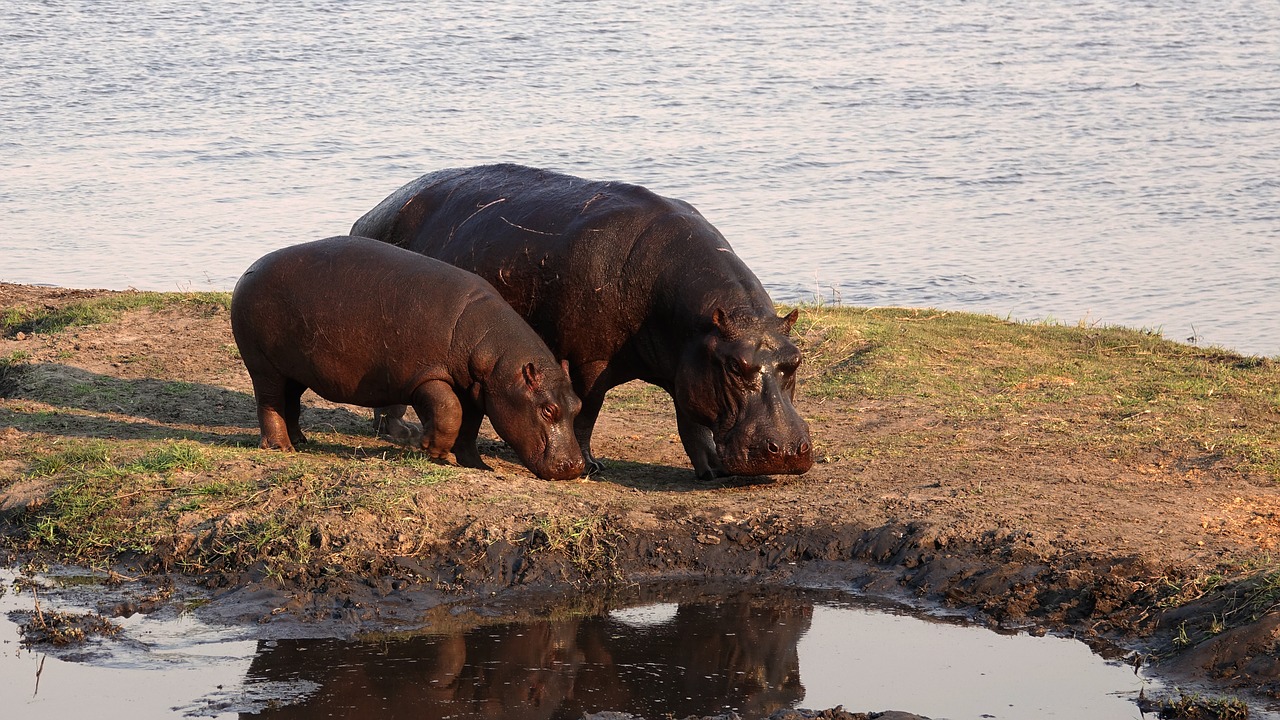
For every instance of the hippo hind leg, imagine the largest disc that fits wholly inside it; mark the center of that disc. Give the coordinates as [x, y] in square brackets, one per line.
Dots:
[441, 415]
[293, 411]
[389, 422]
[272, 399]
[700, 445]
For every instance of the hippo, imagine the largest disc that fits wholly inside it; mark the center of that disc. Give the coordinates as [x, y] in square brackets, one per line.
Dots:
[366, 323]
[625, 284]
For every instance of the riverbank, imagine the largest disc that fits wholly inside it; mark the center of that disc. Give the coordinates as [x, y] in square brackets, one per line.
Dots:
[1092, 480]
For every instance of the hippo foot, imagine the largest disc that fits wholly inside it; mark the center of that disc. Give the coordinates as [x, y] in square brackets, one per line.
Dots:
[275, 445]
[445, 458]
[400, 432]
[711, 475]
[591, 466]
[468, 460]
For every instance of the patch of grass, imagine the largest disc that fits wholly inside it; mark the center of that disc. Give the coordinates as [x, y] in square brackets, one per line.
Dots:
[172, 456]
[10, 367]
[636, 395]
[1098, 387]
[1258, 596]
[83, 456]
[1197, 707]
[50, 319]
[429, 472]
[588, 542]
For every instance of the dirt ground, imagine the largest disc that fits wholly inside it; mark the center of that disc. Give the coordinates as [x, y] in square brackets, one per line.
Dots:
[971, 515]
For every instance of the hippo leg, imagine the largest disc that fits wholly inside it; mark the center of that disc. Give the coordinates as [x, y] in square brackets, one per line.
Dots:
[389, 422]
[269, 391]
[293, 411]
[441, 415]
[590, 385]
[700, 444]
[464, 448]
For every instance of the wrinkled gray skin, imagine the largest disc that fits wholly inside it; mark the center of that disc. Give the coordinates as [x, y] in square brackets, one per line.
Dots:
[624, 284]
[365, 323]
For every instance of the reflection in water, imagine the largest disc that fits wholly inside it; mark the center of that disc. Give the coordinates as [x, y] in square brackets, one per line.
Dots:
[750, 652]
[738, 653]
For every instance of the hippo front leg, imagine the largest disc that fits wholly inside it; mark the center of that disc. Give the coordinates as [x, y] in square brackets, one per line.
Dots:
[700, 445]
[464, 448]
[441, 415]
[590, 384]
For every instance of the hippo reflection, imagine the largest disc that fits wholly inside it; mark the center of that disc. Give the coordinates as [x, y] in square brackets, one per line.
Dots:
[737, 653]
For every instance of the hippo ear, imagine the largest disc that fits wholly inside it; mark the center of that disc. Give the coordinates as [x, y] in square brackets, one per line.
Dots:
[565, 364]
[721, 320]
[789, 321]
[532, 377]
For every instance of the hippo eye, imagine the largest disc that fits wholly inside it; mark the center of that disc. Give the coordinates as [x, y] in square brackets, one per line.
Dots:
[742, 368]
[550, 413]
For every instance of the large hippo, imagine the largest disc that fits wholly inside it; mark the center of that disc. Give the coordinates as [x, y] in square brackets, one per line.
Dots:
[362, 322]
[624, 284]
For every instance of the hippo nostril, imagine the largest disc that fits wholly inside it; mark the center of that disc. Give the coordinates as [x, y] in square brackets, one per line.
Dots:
[773, 448]
[804, 448]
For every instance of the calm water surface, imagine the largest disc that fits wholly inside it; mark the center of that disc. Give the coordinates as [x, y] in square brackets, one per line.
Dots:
[1110, 161]
[695, 653]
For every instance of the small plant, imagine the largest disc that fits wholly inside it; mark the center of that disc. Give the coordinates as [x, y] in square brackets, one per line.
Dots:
[1182, 640]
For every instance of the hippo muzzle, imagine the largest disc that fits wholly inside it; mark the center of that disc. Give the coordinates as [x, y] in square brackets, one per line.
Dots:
[768, 438]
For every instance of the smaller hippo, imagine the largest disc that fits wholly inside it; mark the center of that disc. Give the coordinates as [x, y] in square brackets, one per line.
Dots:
[362, 322]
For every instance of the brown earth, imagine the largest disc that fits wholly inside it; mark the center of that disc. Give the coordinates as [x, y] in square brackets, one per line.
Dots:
[976, 515]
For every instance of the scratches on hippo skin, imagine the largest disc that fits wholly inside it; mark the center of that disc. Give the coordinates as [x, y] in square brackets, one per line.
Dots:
[479, 210]
[521, 227]
[587, 204]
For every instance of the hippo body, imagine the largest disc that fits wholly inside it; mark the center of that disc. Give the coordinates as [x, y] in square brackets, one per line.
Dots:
[365, 323]
[624, 284]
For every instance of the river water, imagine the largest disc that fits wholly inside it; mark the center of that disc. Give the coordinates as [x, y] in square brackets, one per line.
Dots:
[1098, 161]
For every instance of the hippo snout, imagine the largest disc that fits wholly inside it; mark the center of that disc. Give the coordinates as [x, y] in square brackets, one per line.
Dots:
[769, 456]
[787, 451]
[792, 456]
[565, 469]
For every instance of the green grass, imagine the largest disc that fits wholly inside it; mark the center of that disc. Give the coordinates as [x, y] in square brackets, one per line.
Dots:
[110, 498]
[99, 310]
[186, 456]
[1094, 386]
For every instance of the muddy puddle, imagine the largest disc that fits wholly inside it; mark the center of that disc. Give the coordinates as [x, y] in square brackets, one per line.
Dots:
[682, 652]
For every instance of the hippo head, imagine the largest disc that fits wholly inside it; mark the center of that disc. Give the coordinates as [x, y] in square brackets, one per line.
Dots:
[532, 407]
[739, 380]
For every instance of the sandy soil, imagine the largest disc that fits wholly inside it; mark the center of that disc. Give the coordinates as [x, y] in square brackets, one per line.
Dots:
[977, 515]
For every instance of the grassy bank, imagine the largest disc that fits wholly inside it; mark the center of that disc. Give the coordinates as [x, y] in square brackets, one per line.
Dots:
[92, 472]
